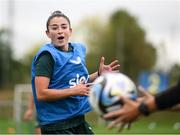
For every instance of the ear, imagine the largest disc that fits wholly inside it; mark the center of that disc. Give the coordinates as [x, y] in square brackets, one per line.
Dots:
[47, 33]
[70, 29]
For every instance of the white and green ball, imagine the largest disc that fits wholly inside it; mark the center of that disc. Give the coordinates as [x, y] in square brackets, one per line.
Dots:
[106, 91]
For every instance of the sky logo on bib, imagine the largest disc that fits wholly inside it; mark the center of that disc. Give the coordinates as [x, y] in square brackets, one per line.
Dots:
[76, 61]
[78, 80]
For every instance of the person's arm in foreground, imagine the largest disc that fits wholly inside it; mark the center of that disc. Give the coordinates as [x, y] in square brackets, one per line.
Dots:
[132, 110]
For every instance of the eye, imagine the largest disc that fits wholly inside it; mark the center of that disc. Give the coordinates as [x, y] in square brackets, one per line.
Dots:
[64, 27]
[54, 28]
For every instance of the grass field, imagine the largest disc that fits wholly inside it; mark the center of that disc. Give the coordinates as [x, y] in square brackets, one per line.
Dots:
[158, 123]
[167, 122]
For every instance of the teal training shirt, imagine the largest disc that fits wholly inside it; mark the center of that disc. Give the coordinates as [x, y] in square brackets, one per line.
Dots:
[45, 63]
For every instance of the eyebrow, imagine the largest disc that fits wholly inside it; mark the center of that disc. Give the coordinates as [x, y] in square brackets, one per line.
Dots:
[57, 24]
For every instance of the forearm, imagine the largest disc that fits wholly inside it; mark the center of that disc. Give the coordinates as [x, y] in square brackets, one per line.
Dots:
[46, 94]
[151, 103]
[54, 94]
[168, 98]
[164, 100]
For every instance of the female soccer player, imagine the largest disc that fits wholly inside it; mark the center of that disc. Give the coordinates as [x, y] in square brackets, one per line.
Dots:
[59, 80]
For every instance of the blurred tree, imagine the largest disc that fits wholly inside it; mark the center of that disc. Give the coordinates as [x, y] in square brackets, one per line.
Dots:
[12, 71]
[27, 60]
[5, 58]
[92, 28]
[123, 39]
[174, 74]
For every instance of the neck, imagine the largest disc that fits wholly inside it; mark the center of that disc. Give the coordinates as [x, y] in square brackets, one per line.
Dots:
[62, 48]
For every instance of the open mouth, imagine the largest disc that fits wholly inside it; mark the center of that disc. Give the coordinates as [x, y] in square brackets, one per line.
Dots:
[61, 37]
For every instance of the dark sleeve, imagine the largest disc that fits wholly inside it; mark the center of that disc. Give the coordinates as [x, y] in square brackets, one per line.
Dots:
[44, 65]
[168, 98]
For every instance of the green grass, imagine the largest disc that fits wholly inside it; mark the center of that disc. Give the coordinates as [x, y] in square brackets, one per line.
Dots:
[158, 123]
[140, 128]
[10, 127]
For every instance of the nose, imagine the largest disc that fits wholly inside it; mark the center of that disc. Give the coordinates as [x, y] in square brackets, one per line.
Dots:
[60, 30]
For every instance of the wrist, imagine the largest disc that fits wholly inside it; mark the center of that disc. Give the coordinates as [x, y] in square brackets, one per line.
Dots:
[151, 104]
[147, 106]
[144, 109]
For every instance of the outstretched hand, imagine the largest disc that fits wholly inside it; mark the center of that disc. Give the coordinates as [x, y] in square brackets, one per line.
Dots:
[112, 67]
[125, 115]
[129, 111]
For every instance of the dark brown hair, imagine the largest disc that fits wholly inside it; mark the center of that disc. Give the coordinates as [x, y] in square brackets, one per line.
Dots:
[57, 14]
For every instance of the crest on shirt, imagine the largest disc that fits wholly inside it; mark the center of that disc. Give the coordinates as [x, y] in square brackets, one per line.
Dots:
[76, 61]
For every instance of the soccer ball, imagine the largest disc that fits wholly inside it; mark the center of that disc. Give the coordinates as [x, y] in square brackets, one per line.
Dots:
[106, 91]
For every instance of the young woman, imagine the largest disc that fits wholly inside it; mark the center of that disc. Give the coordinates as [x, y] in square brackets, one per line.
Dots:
[59, 80]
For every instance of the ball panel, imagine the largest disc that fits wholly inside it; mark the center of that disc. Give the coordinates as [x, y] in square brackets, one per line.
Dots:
[107, 89]
[95, 94]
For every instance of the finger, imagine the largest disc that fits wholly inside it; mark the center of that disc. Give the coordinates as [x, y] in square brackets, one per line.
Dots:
[82, 82]
[115, 67]
[113, 63]
[88, 84]
[129, 125]
[111, 125]
[126, 100]
[102, 60]
[115, 122]
[86, 94]
[113, 114]
[121, 127]
[101, 64]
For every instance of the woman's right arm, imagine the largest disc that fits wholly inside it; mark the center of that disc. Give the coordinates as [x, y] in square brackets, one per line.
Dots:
[45, 94]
